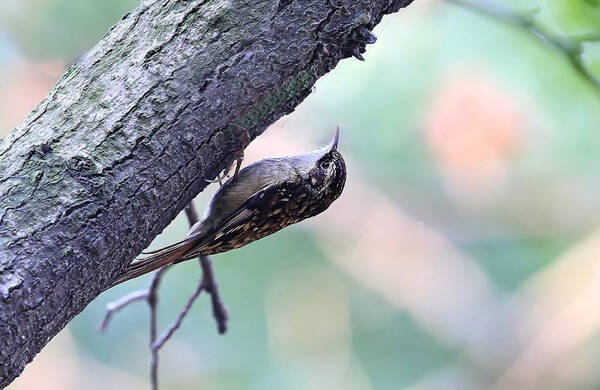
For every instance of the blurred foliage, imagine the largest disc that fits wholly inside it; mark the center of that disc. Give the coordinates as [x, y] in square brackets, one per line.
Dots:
[473, 199]
[576, 16]
[65, 28]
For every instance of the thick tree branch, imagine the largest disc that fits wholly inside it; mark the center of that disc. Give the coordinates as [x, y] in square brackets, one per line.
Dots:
[129, 134]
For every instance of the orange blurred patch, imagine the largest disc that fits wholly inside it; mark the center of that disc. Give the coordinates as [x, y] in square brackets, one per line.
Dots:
[472, 122]
[471, 128]
[24, 85]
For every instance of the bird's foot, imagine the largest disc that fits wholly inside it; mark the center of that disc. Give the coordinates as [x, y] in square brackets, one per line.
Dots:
[239, 154]
[219, 179]
[238, 157]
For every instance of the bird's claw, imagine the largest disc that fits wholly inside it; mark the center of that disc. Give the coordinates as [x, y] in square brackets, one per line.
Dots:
[219, 179]
[225, 174]
[238, 157]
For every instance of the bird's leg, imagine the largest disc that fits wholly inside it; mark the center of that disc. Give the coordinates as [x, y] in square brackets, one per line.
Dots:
[239, 154]
[221, 176]
[238, 157]
[219, 179]
[238, 162]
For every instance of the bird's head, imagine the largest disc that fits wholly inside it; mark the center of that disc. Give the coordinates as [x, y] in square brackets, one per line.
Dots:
[326, 171]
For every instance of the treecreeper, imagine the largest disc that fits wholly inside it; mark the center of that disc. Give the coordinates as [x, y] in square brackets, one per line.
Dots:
[257, 201]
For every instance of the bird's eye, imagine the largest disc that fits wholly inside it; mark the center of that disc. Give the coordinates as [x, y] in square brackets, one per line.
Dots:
[324, 164]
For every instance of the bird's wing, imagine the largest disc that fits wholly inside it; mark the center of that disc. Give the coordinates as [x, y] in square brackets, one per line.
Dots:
[254, 178]
[236, 230]
[195, 245]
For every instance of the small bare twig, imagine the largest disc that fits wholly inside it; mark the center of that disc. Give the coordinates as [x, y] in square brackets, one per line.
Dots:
[119, 304]
[152, 299]
[166, 335]
[209, 281]
[219, 309]
[569, 47]
[150, 295]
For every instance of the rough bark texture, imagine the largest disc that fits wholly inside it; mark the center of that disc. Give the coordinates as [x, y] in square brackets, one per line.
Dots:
[126, 138]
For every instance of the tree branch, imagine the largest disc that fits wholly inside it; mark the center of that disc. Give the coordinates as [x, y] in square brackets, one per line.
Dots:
[208, 281]
[116, 306]
[129, 134]
[571, 48]
[151, 296]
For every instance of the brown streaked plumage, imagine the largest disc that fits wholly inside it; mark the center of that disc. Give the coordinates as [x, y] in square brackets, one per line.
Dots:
[260, 200]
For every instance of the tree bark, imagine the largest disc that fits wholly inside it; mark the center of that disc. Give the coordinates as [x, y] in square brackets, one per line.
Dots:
[127, 136]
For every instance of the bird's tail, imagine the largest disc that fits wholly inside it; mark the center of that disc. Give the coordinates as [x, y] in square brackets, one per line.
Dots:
[159, 258]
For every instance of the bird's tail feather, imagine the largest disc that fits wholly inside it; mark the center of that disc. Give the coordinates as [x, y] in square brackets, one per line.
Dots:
[167, 255]
[177, 244]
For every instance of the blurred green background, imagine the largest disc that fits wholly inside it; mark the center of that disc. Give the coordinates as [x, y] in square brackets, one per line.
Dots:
[464, 253]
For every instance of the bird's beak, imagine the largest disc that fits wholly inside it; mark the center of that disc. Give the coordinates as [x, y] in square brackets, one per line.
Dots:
[336, 137]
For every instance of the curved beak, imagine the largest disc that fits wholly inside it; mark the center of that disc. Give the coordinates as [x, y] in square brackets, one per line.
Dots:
[336, 137]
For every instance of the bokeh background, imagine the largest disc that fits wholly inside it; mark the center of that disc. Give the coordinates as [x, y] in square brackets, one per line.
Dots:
[464, 253]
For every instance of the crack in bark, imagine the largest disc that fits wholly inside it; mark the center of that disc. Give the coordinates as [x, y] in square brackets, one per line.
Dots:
[156, 50]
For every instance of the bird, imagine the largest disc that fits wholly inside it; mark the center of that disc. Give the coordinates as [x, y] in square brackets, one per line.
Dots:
[257, 201]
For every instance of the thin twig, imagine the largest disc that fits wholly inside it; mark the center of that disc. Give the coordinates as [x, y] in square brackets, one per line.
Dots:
[166, 335]
[571, 49]
[207, 283]
[152, 299]
[116, 306]
[192, 215]
[218, 308]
